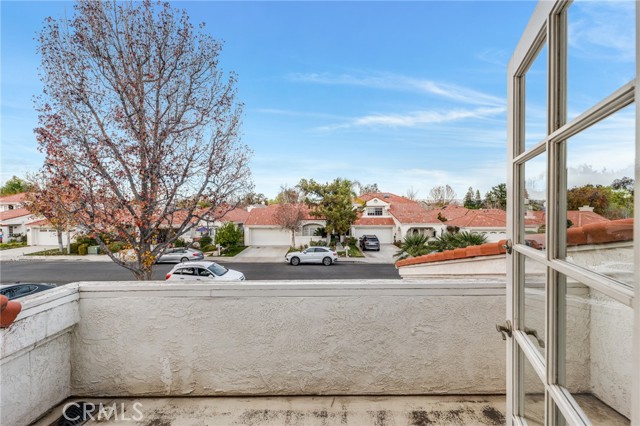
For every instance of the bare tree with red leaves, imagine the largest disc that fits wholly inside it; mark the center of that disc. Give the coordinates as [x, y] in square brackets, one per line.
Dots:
[49, 197]
[290, 212]
[137, 114]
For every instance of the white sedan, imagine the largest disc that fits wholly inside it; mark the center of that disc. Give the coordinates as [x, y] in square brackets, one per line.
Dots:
[323, 255]
[206, 272]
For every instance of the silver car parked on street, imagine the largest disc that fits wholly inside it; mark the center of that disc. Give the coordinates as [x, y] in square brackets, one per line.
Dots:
[323, 255]
[179, 254]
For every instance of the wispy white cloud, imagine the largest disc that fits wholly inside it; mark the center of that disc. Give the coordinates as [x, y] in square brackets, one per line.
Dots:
[291, 113]
[494, 56]
[399, 82]
[414, 119]
[600, 29]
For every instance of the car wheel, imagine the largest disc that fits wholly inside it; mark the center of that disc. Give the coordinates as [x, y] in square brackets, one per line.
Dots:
[184, 259]
[326, 261]
[294, 261]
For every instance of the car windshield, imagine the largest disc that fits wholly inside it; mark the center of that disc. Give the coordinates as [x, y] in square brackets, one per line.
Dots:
[217, 269]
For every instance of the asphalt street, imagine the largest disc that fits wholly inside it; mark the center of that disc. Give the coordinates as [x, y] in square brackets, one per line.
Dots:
[64, 272]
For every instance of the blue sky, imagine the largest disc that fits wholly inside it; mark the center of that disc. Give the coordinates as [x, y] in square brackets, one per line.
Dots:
[402, 94]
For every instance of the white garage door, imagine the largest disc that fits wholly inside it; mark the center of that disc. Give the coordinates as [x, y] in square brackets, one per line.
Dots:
[46, 237]
[270, 237]
[384, 234]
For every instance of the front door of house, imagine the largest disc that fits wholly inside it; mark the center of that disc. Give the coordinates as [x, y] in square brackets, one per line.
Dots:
[573, 337]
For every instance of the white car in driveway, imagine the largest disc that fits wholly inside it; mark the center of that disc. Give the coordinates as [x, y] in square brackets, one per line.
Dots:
[205, 272]
[322, 255]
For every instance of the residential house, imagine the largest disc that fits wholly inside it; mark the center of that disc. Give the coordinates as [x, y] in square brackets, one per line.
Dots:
[13, 217]
[262, 229]
[391, 217]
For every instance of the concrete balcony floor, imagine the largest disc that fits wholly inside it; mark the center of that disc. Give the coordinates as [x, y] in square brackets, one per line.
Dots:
[297, 411]
[436, 410]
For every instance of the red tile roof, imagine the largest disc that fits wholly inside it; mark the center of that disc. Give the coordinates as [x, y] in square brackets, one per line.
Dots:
[235, 215]
[601, 232]
[39, 222]
[481, 218]
[387, 197]
[375, 221]
[11, 214]
[15, 198]
[403, 209]
[267, 216]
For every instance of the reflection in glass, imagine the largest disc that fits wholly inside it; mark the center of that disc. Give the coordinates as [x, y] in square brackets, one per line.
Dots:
[596, 353]
[600, 193]
[534, 303]
[536, 100]
[602, 53]
[534, 203]
[533, 395]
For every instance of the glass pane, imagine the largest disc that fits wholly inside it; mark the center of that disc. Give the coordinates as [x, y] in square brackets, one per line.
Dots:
[535, 113]
[597, 352]
[601, 51]
[534, 302]
[534, 203]
[600, 170]
[533, 399]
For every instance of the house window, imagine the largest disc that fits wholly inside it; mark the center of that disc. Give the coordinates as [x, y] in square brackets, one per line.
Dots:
[309, 230]
[374, 211]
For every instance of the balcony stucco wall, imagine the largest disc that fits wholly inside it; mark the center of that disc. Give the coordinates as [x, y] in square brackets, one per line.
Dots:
[611, 341]
[289, 339]
[35, 363]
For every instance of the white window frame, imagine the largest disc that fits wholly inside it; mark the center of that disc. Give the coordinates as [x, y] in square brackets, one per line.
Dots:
[548, 24]
[375, 211]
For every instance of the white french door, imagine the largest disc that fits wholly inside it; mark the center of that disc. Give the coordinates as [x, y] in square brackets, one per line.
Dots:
[573, 351]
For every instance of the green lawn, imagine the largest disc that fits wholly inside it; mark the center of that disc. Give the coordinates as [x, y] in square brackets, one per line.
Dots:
[232, 251]
[50, 252]
[12, 245]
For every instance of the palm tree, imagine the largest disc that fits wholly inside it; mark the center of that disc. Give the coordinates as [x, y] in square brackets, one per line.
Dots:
[413, 245]
[450, 241]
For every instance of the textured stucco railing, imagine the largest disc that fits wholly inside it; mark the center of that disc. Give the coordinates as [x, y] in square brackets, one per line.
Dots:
[35, 355]
[258, 338]
[289, 339]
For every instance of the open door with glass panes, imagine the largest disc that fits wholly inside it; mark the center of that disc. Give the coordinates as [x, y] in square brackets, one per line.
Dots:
[572, 331]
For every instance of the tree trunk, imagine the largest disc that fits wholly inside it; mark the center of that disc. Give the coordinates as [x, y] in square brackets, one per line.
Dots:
[60, 244]
[293, 238]
[68, 241]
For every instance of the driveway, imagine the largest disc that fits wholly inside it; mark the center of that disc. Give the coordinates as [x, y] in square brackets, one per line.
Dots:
[385, 255]
[258, 254]
[18, 253]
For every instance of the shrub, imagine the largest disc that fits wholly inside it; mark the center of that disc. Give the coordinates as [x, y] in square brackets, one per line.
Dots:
[351, 241]
[206, 241]
[74, 248]
[229, 235]
[450, 241]
[320, 232]
[115, 247]
[82, 249]
[180, 243]
[87, 240]
[208, 247]
[23, 239]
[317, 243]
